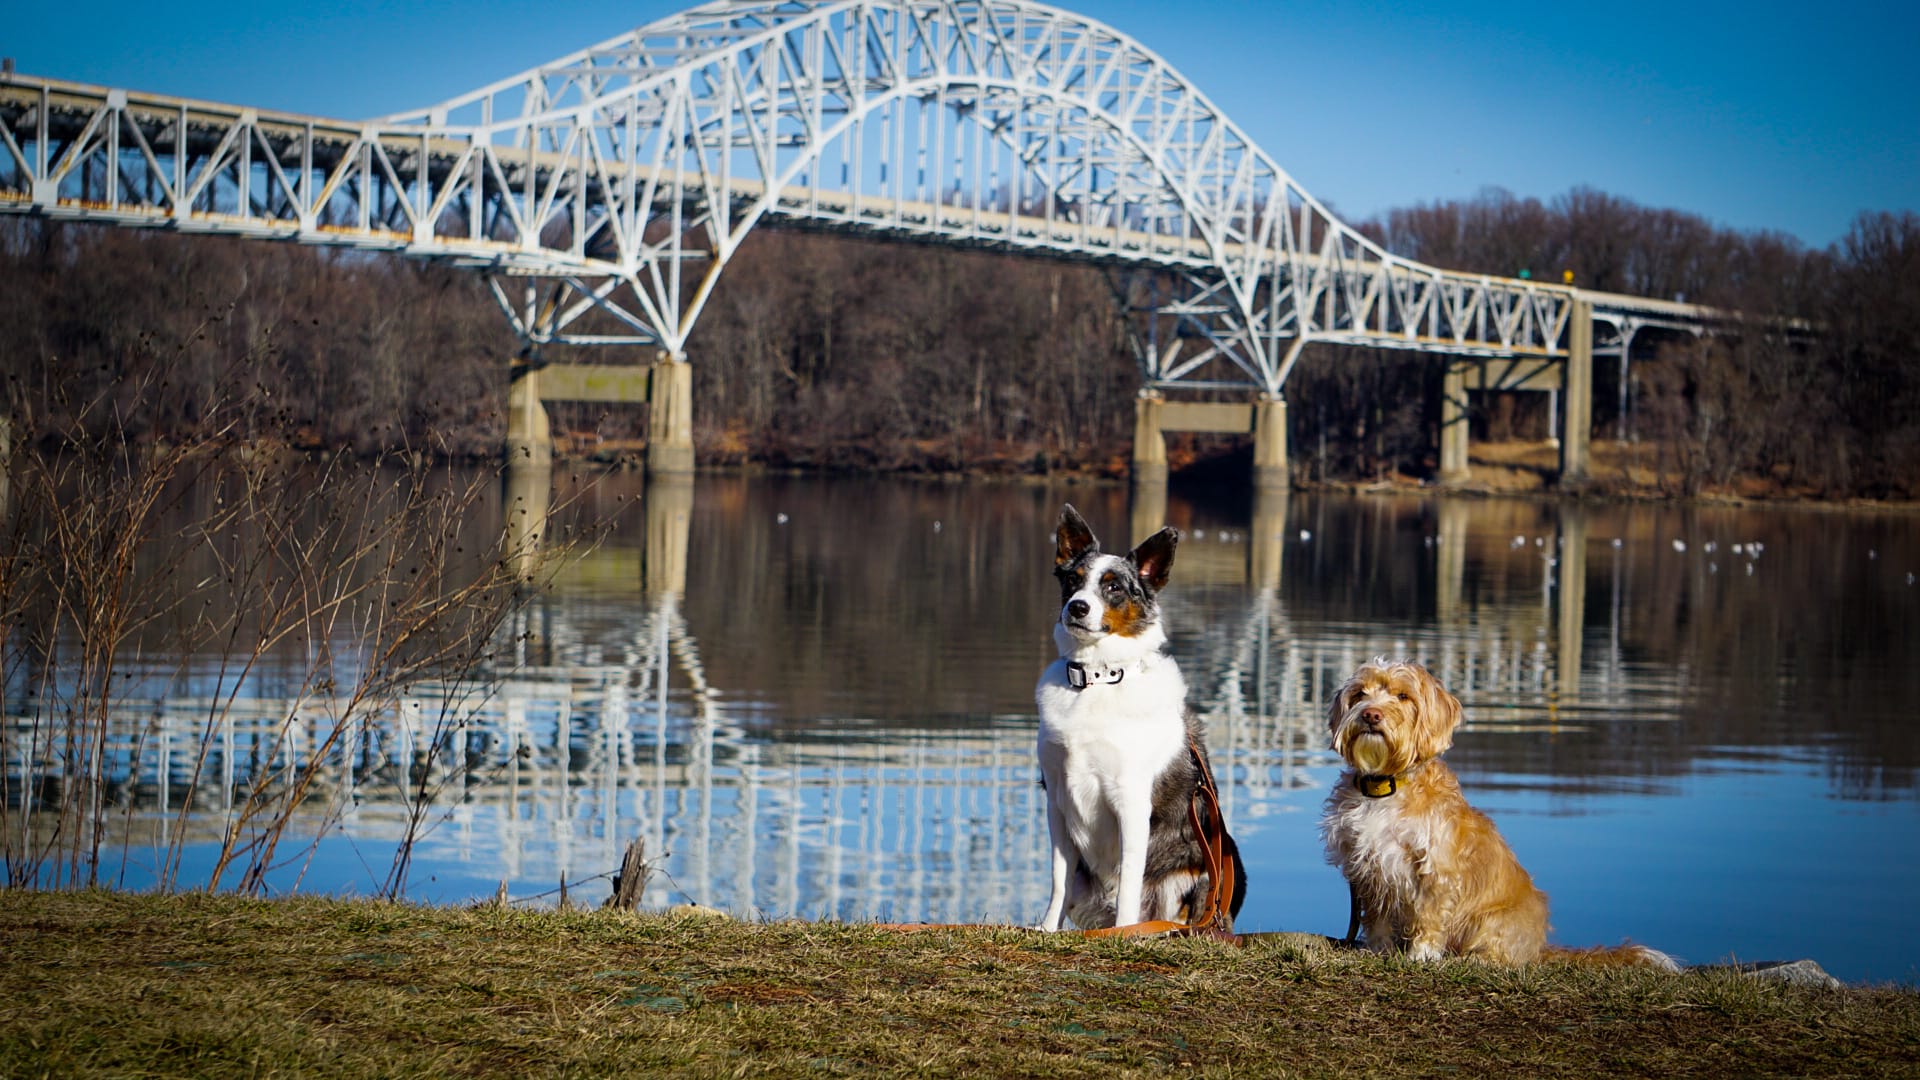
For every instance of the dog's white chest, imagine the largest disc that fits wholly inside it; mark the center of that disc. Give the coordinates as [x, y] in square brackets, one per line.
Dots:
[1104, 746]
[1391, 845]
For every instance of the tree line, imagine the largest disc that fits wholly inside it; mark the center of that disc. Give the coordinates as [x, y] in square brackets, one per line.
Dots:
[833, 352]
[1834, 411]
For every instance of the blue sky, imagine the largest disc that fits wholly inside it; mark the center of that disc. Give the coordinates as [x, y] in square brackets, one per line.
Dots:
[1764, 115]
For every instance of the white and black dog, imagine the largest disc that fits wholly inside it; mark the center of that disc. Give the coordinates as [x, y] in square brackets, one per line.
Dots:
[1121, 756]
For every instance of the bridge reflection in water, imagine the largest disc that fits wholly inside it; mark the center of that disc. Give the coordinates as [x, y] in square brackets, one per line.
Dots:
[626, 737]
[603, 726]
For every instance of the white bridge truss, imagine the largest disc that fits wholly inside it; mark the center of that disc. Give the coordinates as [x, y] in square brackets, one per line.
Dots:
[603, 194]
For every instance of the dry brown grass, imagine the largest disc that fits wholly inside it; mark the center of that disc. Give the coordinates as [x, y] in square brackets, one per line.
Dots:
[111, 985]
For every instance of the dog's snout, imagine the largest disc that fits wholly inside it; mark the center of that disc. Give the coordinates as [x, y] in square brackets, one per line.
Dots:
[1370, 716]
[1078, 609]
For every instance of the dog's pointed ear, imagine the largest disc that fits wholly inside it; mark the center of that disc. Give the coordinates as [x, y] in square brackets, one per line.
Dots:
[1440, 713]
[1072, 537]
[1154, 557]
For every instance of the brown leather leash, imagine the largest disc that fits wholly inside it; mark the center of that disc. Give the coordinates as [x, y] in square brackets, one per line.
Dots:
[1215, 917]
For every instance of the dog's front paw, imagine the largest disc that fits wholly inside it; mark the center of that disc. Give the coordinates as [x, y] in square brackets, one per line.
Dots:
[1425, 950]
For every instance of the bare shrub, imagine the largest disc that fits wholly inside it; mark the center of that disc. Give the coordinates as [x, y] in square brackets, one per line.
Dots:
[358, 590]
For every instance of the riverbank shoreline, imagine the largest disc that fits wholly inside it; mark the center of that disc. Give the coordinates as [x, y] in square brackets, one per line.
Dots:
[1618, 472]
[106, 983]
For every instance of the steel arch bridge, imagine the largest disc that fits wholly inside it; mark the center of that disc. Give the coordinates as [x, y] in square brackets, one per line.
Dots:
[621, 179]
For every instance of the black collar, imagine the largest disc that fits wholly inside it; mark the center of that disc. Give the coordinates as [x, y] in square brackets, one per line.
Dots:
[1080, 676]
[1381, 785]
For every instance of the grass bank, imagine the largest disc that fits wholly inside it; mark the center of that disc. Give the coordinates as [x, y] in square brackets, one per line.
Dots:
[102, 984]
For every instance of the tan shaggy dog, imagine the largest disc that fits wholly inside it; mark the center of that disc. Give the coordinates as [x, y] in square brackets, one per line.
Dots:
[1430, 873]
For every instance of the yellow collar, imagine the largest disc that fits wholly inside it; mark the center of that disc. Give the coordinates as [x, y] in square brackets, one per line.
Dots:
[1375, 785]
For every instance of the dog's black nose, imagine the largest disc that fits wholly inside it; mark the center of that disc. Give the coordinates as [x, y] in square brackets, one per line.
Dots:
[1078, 609]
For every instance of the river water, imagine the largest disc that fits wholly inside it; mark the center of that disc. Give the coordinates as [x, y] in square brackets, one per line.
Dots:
[813, 697]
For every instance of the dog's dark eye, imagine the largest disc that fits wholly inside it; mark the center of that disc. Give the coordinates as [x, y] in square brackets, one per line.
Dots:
[1404, 696]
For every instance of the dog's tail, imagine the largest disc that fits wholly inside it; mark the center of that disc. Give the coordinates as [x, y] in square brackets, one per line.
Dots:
[1626, 954]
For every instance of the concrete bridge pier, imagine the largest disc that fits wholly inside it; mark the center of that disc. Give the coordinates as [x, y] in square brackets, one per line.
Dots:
[529, 436]
[1265, 419]
[1453, 423]
[1576, 427]
[1149, 442]
[1569, 381]
[1148, 505]
[665, 387]
[670, 420]
[1270, 445]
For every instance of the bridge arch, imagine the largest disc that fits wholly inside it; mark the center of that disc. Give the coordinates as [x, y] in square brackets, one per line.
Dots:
[1182, 187]
[728, 106]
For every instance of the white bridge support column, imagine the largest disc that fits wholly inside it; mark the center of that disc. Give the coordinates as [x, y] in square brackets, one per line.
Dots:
[666, 387]
[529, 437]
[1265, 419]
[1149, 445]
[1270, 444]
[670, 422]
[1576, 429]
[1453, 423]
